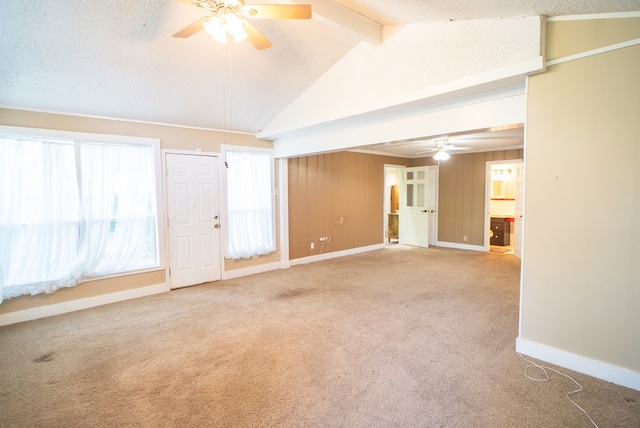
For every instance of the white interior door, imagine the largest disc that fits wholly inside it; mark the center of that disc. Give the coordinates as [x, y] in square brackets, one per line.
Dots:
[414, 215]
[518, 222]
[193, 215]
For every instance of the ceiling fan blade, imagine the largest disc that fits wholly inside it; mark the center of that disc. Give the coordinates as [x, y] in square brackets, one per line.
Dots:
[192, 29]
[276, 11]
[255, 37]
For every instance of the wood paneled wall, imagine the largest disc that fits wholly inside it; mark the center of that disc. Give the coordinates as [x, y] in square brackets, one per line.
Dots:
[326, 188]
[461, 195]
[348, 185]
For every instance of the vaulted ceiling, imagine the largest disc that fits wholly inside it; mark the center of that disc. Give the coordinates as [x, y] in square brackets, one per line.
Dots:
[117, 58]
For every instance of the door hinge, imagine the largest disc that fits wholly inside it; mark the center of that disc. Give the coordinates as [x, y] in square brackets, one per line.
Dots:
[169, 272]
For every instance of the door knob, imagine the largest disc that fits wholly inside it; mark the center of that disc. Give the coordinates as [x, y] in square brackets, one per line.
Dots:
[216, 225]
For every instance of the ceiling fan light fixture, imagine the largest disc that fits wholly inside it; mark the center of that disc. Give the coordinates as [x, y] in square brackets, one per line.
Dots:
[219, 26]
[441, 155]
[235, 27]
[216, 29]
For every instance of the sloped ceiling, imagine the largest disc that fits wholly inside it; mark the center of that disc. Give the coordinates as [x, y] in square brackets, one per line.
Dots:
[117, 58]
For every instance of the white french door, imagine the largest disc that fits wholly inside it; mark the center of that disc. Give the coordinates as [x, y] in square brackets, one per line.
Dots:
[414, 212]
[194, 219]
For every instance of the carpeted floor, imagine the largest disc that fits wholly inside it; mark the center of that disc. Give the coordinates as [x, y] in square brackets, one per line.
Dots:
[400, 337]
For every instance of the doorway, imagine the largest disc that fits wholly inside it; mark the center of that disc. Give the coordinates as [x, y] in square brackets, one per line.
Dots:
[393, 190]
[414, 212]
[391, 195]
[193, 219]
[504, 206]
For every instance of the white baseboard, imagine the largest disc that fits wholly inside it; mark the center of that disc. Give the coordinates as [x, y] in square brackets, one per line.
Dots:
[460, 246]
[76, 305]
[237, 273]
[578, 363]
[334, 254]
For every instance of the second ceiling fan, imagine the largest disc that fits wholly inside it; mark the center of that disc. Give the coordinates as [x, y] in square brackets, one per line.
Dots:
[227, 19]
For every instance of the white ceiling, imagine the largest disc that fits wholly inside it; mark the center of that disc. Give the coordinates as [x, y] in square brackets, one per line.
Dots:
[117, 58]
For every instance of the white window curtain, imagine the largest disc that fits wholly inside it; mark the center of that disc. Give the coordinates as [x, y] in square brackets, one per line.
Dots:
[72, 211]
[250, 204]
[117, 193]
[39, 213]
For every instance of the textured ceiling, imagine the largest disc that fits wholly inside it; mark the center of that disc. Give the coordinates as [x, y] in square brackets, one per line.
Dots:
[117, 58]
[406, 11]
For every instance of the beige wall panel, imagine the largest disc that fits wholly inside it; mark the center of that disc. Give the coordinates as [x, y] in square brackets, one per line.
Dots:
[469, 177]
[297, 209]
[446, 204]
[83, 291]
[477, 208]
[230, 264]
[325, 176]
[293, 188]
[326, 188]
[171, 137]
[423, 162]
[342, 185]
[375, 207]
[566, 38]
[583, 175]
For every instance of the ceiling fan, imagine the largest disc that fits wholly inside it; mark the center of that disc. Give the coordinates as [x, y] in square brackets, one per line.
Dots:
[227, 19]
[442, 149]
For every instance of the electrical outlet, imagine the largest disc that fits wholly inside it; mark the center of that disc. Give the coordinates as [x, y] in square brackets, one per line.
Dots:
[322, 239]
[464, 238]
[312, 246]
[278, 256]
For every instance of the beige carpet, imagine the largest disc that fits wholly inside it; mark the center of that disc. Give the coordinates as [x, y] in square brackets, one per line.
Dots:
[400, 337]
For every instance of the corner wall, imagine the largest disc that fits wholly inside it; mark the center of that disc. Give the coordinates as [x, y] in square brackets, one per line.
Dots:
[581, 267]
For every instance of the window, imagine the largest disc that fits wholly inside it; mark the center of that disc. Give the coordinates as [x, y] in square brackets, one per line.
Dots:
[74, 210]
[250, 204]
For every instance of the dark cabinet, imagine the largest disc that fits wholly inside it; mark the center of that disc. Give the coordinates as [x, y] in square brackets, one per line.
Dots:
[501, 229]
